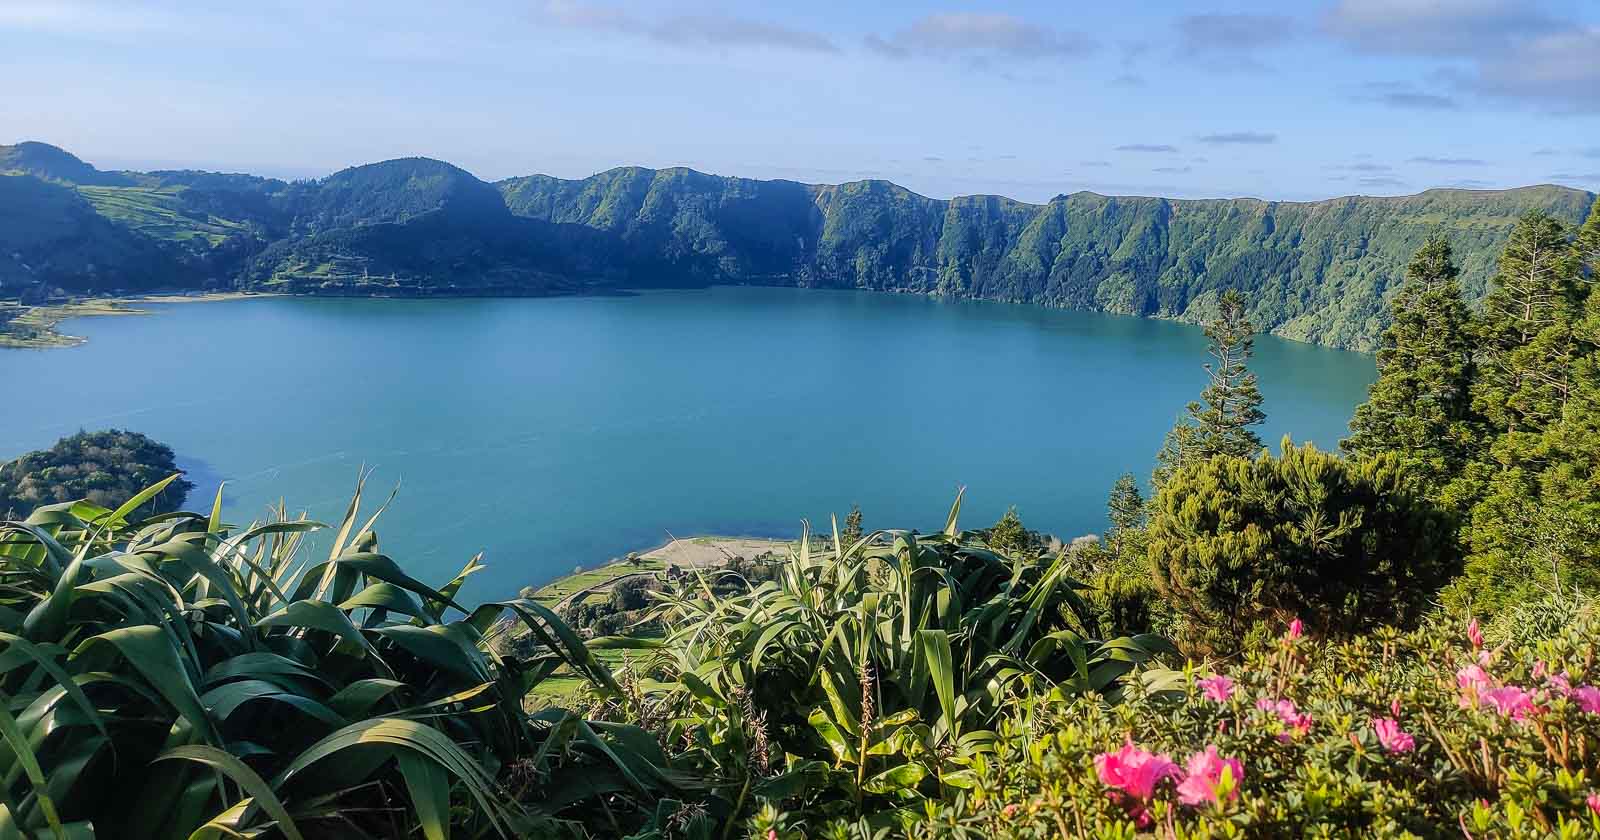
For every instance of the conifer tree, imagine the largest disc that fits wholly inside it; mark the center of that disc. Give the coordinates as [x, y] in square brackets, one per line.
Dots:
[1526, 335]
[852, 527]
[1420, 407]
[1008, 536]
[1587, 247]
[1219, 423]
[1536, 530]
[1126, 505]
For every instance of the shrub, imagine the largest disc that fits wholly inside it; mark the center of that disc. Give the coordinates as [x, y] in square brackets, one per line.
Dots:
[1345, 544]
[103, 468]
[863, 680]
[629, 593]
[1423, 734]
[177, 677]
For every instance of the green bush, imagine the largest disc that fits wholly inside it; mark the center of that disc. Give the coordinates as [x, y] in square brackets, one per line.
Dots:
[103, 468]
[1417, 735]
[1343, 544]
[866, 678]
[178, 677]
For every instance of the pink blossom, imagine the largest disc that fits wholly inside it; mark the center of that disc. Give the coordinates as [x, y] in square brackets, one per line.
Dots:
[1539, 668]
[1205, 771]
[1133, 771]
[1394, 707]
[1474, 634]
[1475, 678]
[1217, 689]
[1297, 722]
[1588, 698]
[1559, 684]
[1392, 737]
[1510, 701]
[1297, 628]
[1594, 803]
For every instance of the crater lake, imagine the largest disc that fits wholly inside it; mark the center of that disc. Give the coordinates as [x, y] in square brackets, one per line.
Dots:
[556, 432]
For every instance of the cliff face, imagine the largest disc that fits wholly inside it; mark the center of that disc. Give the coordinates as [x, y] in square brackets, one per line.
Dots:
[1314, 271]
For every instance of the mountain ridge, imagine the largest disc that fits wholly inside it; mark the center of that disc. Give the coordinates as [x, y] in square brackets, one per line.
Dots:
[1315, 271]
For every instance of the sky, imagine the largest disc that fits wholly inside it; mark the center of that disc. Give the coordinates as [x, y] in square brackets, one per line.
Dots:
[1281, 100]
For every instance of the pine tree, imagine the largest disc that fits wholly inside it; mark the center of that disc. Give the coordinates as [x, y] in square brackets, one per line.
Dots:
[1526, 335]
[1219, 423]
[1420, 407]
[1126, 507]
[1587, 247]
[1008, 536]
[1536, 529]
[852, 527]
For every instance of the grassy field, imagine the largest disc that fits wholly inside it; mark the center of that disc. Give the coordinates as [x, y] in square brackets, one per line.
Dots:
[157, 212]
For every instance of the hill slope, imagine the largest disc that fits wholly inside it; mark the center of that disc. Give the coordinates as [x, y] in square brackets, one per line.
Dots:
[1315, 271]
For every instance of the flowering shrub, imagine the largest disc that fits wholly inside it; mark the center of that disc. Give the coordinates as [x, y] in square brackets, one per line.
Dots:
[1425, 734]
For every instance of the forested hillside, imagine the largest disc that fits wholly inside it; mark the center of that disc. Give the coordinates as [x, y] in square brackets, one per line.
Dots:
[1314, 271]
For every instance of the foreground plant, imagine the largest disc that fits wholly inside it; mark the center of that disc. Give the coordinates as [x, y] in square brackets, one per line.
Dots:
[1393, 737]
[867, 679]
[177, 677]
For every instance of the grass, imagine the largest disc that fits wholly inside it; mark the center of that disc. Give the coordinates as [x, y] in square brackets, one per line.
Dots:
[157, 213]
[555, 592]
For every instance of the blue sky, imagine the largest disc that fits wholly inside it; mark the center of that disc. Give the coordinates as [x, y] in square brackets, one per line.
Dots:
[1283, 100]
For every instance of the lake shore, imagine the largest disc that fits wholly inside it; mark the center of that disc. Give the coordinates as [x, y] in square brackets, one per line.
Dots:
[684, 552]
[34, 327]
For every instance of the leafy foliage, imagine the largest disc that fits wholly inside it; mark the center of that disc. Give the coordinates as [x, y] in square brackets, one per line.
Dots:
[1395, 737]
[103, 468]
[1343, 544]
[867, 679]
[175, 677]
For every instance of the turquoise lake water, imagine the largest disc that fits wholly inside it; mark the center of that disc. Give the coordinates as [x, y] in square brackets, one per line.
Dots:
[549, 433]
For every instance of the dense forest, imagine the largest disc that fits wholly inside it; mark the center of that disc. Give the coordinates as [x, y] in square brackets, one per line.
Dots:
[1396, 640]
[1314, 271]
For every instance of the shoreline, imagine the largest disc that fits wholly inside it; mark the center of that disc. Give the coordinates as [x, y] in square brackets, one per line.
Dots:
[685, 552]
[38, 323]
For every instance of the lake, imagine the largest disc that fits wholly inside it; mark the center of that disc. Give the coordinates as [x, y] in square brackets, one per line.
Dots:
[549, 433]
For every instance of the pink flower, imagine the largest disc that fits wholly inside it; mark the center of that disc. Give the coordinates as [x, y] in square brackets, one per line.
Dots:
[1298, 723]
[1297, 628]
[1474, 634]
[1133, 771]
[1394, 707]
[1594, 803]
[1475, 678]
[1199, 787]
[1217, 689]
[1392, 737]
[1559, 684]
[1010, 810]
[1510, 701]
[1588, 698]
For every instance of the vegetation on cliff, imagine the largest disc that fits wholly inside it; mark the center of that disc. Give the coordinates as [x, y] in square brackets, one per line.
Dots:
[1314, 271]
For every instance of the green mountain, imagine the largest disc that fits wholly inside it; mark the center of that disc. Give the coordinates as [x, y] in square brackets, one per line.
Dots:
[1314, 271]
[50, 236]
